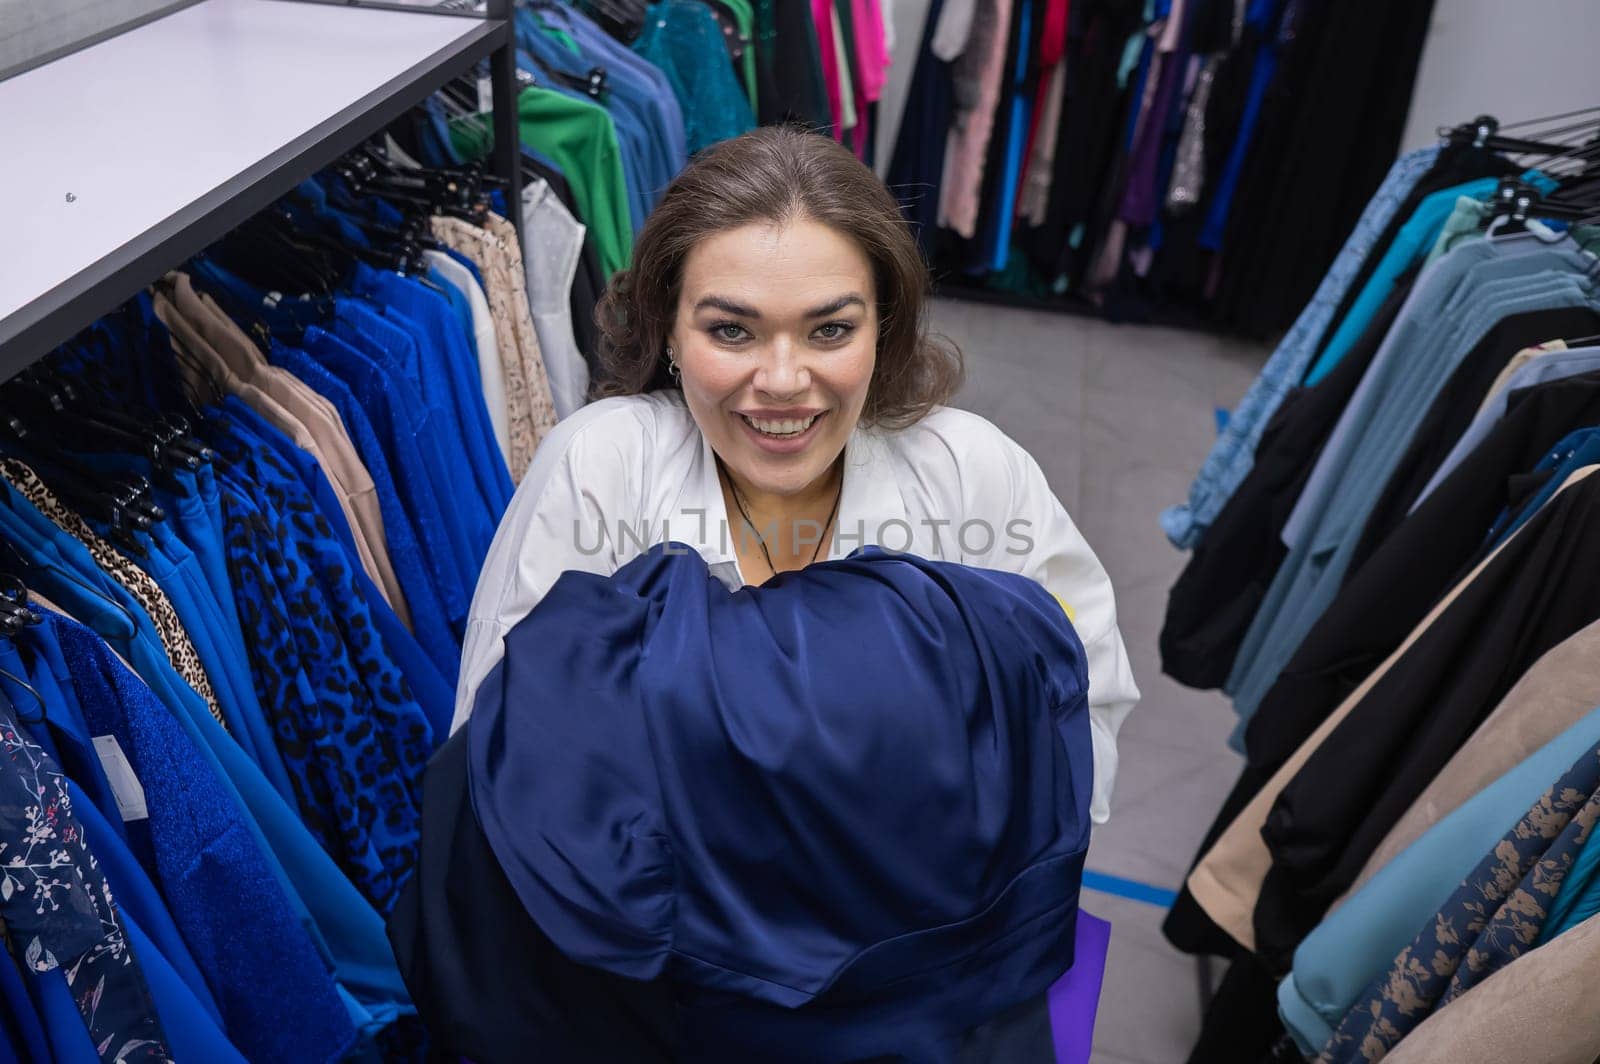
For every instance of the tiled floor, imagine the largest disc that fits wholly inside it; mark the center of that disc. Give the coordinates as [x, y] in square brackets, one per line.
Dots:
[1120, 418]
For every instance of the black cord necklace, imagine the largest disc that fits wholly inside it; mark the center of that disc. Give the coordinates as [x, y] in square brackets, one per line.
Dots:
[826, 525]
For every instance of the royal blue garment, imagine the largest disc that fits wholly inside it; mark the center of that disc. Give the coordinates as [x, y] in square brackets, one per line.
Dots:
[346, 929]
[433, 692]
[461, 307]
[388, 339]
[193, 1033]
[192, 510]
[400, 420]
[140, 901]
[845, 812]
[167, 561]
[1016, 139]
[344, 714]
[213, 631]
[22, 1027]
[454, 395]
[428, 615]
[1263, 18]
[277, 999]
[62, 569]
[1576, 450]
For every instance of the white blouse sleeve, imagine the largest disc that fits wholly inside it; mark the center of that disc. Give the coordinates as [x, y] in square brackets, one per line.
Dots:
[1036, 537]
[582, 480]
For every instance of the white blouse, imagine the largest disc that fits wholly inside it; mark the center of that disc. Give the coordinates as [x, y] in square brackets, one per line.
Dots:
[621, 475]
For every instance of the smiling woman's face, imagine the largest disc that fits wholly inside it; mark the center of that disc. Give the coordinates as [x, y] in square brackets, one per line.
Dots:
[776, 335]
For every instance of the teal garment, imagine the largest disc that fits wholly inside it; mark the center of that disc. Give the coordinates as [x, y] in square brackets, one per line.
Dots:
[682, 37]
[1465, 223]
[1579, 897]
[1414, 240]
[1413, 244]
[1358, 941]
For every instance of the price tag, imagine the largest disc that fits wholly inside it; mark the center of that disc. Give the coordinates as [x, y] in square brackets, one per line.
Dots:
[125, 786]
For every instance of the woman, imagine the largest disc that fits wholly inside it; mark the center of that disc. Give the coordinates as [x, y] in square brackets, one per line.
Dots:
[767, 358]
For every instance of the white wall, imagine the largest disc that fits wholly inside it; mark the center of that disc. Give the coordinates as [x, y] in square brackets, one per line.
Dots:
[1513, 59]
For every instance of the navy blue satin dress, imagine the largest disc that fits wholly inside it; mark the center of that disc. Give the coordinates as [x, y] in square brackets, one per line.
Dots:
[839, 817]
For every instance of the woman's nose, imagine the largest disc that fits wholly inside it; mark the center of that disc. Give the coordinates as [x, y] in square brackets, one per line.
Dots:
[782, 372]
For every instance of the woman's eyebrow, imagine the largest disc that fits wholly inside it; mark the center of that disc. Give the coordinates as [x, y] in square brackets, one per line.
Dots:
[729, 306]
[834, 306]
[738, 309]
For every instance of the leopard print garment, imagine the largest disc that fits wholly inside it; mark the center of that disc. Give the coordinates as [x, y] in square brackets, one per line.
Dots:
[138, 583]
[530, 406]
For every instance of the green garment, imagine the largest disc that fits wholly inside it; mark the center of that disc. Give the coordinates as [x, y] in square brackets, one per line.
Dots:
[744, 17]
[1465, 221]
[580, 138]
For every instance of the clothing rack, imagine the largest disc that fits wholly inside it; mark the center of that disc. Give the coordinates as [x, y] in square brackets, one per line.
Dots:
[129, 156]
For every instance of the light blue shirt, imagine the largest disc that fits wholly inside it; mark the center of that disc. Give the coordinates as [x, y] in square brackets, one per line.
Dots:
[1412, 365]
[1234, 453]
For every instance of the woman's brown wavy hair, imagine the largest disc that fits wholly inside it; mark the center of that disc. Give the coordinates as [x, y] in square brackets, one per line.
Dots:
[779, 174]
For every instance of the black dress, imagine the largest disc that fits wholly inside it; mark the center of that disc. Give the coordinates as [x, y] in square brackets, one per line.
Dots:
[1539, 589]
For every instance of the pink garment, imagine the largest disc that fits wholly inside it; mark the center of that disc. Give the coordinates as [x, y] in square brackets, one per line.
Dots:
[1173, 28]
[822, 15]
[872, 52]
[872, 65]
[968, 145]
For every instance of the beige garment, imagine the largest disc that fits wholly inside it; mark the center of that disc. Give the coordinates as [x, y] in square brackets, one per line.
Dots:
[205, 370]
[1227, 881]
[1539, 1009]
[530, 406]
[533, 367]
[978, 75]
[335, 452]
[1518, 360]
[1041, 161]
[1556, 691]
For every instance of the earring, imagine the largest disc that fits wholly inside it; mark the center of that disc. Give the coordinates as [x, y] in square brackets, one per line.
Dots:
[672, 367]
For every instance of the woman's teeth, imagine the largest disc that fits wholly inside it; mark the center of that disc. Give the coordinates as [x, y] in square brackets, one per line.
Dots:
[784, 427]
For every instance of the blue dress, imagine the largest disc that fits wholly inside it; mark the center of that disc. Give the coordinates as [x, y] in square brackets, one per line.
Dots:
[844, 813]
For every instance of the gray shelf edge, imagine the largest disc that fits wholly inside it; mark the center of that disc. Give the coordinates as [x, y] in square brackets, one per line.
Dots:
[39, 326]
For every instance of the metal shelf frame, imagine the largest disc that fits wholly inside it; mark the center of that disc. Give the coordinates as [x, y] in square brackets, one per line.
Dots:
[85, 281]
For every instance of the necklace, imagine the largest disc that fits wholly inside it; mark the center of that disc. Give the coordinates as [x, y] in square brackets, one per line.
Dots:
[760, 539]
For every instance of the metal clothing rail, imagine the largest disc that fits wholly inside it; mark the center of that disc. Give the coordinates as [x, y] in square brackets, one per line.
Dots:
[120, 161]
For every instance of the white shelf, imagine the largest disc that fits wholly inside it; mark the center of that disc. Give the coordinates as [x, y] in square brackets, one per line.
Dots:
[166, 136]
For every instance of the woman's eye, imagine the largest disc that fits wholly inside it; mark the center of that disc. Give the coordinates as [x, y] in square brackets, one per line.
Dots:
[834, 330]
[728, 333]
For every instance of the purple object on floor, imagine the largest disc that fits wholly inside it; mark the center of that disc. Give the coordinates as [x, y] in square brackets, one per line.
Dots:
[1076, 996]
